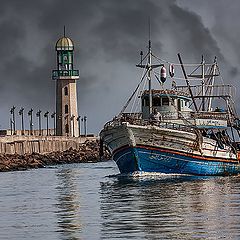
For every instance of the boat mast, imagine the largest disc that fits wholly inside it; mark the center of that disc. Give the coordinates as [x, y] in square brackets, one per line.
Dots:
[149, 69]
[203, 84]
[213, 78]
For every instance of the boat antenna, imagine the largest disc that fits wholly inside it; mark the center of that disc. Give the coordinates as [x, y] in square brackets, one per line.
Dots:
[64, 31]
[149, 66]
[203, 83]
[149, 63]
[149, 32]
[141, 55]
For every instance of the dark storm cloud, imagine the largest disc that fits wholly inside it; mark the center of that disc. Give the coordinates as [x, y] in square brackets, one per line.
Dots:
[11, 37]
[108, 36]
[194, 35]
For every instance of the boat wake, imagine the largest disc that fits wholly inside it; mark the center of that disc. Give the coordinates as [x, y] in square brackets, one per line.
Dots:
[141, 175]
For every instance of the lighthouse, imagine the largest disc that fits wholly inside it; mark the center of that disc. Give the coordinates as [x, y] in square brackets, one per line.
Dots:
[66, 89]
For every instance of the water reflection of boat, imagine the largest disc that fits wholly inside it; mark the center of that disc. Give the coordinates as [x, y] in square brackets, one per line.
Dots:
[177, 130]
[168, 208]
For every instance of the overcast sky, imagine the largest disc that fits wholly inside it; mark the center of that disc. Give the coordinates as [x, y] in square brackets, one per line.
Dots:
[108, 36]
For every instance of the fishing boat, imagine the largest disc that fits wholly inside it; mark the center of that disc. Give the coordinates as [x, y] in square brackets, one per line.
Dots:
[191, 128]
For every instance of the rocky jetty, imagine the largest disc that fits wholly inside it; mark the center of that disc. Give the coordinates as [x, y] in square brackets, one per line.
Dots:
[88, 152]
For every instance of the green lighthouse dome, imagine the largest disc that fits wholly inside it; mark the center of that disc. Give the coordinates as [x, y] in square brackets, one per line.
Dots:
[64, 43]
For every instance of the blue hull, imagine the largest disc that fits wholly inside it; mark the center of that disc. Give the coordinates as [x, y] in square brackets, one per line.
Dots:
[143, 158]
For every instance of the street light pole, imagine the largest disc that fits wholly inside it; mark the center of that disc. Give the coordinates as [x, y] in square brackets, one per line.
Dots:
[46, 116]
[79, 126]
[85, 126]
[53, 115]
[82, 123]
[12, 111]
[21, 113]
[38, 114]
[11, 126]
[30, 112]
[73, 128]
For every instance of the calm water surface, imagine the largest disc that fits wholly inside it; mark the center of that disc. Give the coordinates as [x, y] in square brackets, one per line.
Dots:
[90, 201]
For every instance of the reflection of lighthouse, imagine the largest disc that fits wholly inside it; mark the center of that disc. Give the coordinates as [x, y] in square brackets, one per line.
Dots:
[66, 91]
[68, 206]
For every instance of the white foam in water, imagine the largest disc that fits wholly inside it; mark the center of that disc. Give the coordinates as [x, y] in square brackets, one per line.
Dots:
[149, 175]
[140, 174]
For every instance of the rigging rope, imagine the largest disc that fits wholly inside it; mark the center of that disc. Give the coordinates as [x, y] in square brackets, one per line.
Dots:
[129, 100]
[178, 64]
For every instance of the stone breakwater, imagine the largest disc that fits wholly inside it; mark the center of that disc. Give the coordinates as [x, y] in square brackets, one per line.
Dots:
[87, 152]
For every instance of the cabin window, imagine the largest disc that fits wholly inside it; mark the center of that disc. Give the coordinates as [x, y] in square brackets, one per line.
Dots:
[181, 103]
[156, 101]
[66, 128]
[66, 109]
[66, 91]
[165, 101]
[186, 103]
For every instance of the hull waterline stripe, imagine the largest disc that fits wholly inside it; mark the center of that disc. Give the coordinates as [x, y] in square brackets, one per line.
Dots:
[215, 163]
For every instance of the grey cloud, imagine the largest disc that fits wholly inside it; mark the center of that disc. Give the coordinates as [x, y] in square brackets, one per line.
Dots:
[108, 36]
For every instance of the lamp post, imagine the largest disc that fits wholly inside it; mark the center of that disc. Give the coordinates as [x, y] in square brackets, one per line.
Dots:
[46, 116]
[21, 113]
[11, 126]
[53, 115]
[73, 127]
[38, 114]
[79, 126]
[30, 112]
[82, 123]
[12, 111]
[85, 126]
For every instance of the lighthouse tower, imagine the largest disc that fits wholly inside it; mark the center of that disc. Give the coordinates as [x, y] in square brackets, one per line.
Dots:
[66, 89]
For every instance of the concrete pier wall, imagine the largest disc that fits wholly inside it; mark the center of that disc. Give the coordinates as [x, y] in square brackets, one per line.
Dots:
[39, 144]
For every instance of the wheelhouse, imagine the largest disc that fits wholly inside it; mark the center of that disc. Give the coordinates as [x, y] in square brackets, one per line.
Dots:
[168, 102]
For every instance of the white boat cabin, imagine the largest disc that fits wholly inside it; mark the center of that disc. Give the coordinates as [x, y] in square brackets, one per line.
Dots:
[174, 107]
[168, 102]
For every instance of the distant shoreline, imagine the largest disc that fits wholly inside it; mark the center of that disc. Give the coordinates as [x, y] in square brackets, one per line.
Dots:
[88, 152]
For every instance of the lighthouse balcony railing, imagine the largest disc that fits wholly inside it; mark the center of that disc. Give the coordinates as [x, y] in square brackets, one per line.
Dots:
[64, 73]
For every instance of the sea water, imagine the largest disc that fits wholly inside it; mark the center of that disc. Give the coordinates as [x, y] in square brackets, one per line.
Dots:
[92, 201]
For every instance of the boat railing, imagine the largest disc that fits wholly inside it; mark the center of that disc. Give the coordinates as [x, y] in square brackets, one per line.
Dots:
[223, 90]
[176, 126]
[172, 92]
[210, 115]
[132, 118]
[136, 119]
[175, 115]
[169, 115]
[137, 115]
